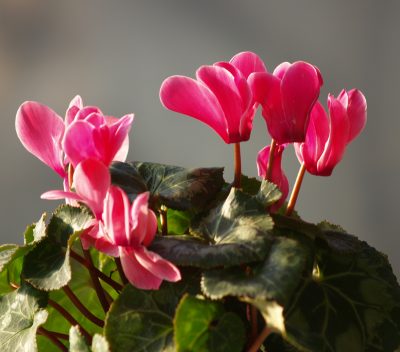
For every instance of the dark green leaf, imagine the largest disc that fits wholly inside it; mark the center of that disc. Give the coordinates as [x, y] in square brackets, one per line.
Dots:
[234, 233]
[47, 266]
[274, 279]
[351, 302]
[202, 325]
[173, 186]
[249, 185]
[21, 313]
[268, 194]
[138, 321]
[178, 221]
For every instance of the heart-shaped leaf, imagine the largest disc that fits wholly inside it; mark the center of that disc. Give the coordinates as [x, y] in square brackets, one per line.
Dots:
[22, 312]
[235, 232]
[202, 325]
[47, 266]
[173, 186]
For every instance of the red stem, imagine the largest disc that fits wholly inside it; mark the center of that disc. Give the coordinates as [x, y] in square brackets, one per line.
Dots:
[121, 271]
[296, 190]
[115, 285]
[52, 338]
[271, 159]
[238, 166]
[259, 340]
[78, 304]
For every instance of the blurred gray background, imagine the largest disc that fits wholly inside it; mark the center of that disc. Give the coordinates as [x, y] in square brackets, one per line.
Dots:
[115, 54]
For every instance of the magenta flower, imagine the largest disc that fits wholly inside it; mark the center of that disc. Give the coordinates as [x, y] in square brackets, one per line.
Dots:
[287, 97]
[220, 96]
[86, 133]
[326, 139]
[119, 228]
[277, 176]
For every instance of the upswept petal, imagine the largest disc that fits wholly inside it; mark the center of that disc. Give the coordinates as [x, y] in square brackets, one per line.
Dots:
[58, 194]
[92, 181]
[78, 142]
[122, 153]
[143, 224]
[136, 274]
[41, 130]
[189, 97]
[338, 137]
[300, 89]
[281, 69]
[103, 244]
[116, 216]
[248, 62]
[86, 111]
[356, 112]
[75, 105]
[222, 83]
[158, 266]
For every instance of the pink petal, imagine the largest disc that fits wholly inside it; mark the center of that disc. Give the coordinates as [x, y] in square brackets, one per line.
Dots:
[92, 181]
[116, 216]
[281, 69]
[248, 62]
[104, 245]
[143, 221]
[86, 111]
[75, 105]
[122, 153]
[58, 194]
[357, 113]
[338, 137]
[78, 142]
[187, 96]
[300, 89]
[137, 275]
[40, 130]
[109, 139]
[158, 266]
[222, 83]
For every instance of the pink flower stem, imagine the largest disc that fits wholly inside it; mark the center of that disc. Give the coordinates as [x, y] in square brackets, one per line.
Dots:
[238, 166]
[121, 271]
[52, 338]
[96, 283]
[296, 190]
[115, 285]
[260, 339]
[78, 304]
[271, 159]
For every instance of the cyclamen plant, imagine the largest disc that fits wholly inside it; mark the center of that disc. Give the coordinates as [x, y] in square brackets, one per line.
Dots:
[153, 257]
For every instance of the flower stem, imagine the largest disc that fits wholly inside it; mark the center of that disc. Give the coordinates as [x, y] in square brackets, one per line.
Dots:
[296, 190]
[115, 285]
[69, 318]
[52, 338]
[254, 322]
[260, 339]
[121, 271]
[164, 220]
[70, 176]
[238, 166]
[96, 283]
[78, 304]
[271, 159]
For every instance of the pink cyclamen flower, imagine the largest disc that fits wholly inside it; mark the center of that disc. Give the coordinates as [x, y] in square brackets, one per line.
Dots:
[119, 229]
[85, 133]
[326, 139]
[220, 96]
[277, 176]
[287, 97]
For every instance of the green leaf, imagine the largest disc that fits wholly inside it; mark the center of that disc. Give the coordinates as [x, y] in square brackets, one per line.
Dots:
[350, 303]
[21, 314]
[35, 232]
[249, 185]
[47, 266]
[178, 221]
[141, 321]
[268, 193]
[77, 342]
[234, 233]
[173, 186]
[275, 279]
[202, 325]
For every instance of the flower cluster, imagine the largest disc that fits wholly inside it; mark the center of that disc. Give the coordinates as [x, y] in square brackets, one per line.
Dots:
[80, 149]
[225, 96]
